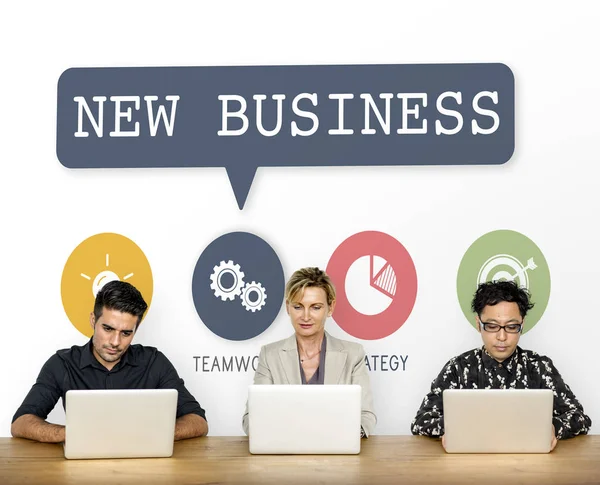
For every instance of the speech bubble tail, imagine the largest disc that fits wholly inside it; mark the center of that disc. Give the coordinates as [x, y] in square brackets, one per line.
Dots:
[241, 180]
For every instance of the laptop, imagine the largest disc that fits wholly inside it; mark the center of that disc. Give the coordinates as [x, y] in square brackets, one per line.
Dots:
[497, 420]
[304, 419]
[134, 423]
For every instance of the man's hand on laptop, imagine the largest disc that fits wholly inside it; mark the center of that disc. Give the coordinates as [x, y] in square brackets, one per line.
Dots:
[35, 428]
[190, 426]
[444, 442]
[554, 440]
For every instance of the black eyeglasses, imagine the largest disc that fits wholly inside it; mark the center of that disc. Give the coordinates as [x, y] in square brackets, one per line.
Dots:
[495, 327]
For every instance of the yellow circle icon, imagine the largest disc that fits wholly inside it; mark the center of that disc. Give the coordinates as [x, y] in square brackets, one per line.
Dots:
[96, 261]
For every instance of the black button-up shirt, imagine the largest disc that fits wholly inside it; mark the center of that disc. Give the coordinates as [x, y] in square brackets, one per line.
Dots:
[524, 369]
[77, 368]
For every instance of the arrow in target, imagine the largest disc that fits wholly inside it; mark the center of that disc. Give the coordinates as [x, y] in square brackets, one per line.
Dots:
[530, 265]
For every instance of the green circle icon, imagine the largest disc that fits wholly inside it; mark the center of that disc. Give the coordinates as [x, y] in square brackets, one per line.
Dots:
[504, 256]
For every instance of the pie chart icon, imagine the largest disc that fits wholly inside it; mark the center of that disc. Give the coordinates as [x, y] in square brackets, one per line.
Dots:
[370, 284]
[376, 285]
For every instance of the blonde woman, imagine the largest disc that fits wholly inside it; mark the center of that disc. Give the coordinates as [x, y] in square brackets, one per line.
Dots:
[312, 356]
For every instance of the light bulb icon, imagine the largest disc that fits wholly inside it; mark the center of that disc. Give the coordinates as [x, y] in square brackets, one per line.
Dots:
[96, 261]
[104, 277]
[101, 279]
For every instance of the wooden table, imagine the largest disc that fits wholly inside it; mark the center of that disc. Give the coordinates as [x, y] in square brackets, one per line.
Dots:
[383, 459]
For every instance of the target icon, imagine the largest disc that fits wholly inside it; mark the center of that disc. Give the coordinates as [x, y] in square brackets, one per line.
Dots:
[504, 267]
[504, 255]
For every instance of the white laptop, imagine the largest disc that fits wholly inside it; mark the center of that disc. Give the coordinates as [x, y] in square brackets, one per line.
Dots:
[135, 423]
[498, 421]
[308, 419]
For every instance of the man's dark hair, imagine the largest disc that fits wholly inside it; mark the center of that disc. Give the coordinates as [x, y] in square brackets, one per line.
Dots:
[120, 296]
[493, 292]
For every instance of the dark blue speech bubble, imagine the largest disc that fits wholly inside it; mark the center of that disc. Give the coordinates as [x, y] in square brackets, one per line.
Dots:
[244, 117]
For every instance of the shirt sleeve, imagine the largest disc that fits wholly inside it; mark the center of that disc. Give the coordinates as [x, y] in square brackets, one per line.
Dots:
[429, 420]
[361, 376]
[46, 391]
[186, 404]
[261, 376]
[568, 419]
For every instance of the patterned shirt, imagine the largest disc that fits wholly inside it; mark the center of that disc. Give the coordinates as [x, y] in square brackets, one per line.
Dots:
[524, 369]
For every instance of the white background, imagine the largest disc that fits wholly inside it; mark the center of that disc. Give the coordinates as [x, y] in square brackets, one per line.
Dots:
[548, 190]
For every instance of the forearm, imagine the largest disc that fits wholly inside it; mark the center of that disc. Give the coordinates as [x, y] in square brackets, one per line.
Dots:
[569, 419]
[429, 420]
[428, 423]
[35, 428]
[190, 426]
[245, 424]
[570, 424]
[368, 420]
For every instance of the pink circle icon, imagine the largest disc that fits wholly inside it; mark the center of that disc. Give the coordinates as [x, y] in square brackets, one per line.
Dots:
[389, 276]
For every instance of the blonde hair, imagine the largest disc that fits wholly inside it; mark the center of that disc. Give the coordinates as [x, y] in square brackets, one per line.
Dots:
[306, 278]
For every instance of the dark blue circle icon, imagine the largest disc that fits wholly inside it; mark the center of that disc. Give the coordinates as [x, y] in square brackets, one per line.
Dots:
[238, 286]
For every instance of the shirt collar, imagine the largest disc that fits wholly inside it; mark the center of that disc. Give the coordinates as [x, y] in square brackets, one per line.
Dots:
[509, 364]
[88, 358]
[128, 359]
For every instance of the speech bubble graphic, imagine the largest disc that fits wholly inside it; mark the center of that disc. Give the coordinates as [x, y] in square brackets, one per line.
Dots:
[245, 117]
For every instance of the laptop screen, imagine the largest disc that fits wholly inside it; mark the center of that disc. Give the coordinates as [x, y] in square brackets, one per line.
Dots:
[296, 419]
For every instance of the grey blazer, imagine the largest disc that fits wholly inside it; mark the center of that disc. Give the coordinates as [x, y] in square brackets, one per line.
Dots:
[344, 364]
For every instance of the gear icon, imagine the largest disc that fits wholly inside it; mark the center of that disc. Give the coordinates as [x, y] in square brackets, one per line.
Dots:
[227, 291]
[253, 296]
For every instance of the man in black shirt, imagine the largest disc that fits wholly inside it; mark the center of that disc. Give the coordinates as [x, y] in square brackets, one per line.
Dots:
[500, 309]
[107, 361]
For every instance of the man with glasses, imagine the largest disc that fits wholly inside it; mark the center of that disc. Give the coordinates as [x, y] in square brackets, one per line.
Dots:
[500, 308]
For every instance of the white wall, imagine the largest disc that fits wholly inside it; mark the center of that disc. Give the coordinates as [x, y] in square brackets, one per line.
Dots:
[548, 191]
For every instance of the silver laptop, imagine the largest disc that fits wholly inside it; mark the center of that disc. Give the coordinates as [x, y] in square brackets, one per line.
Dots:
[296, 419]
[135, 423]
[498, 421]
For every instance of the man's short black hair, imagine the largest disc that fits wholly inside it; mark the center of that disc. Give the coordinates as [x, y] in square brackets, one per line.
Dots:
[120, 296]
[493, 292]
